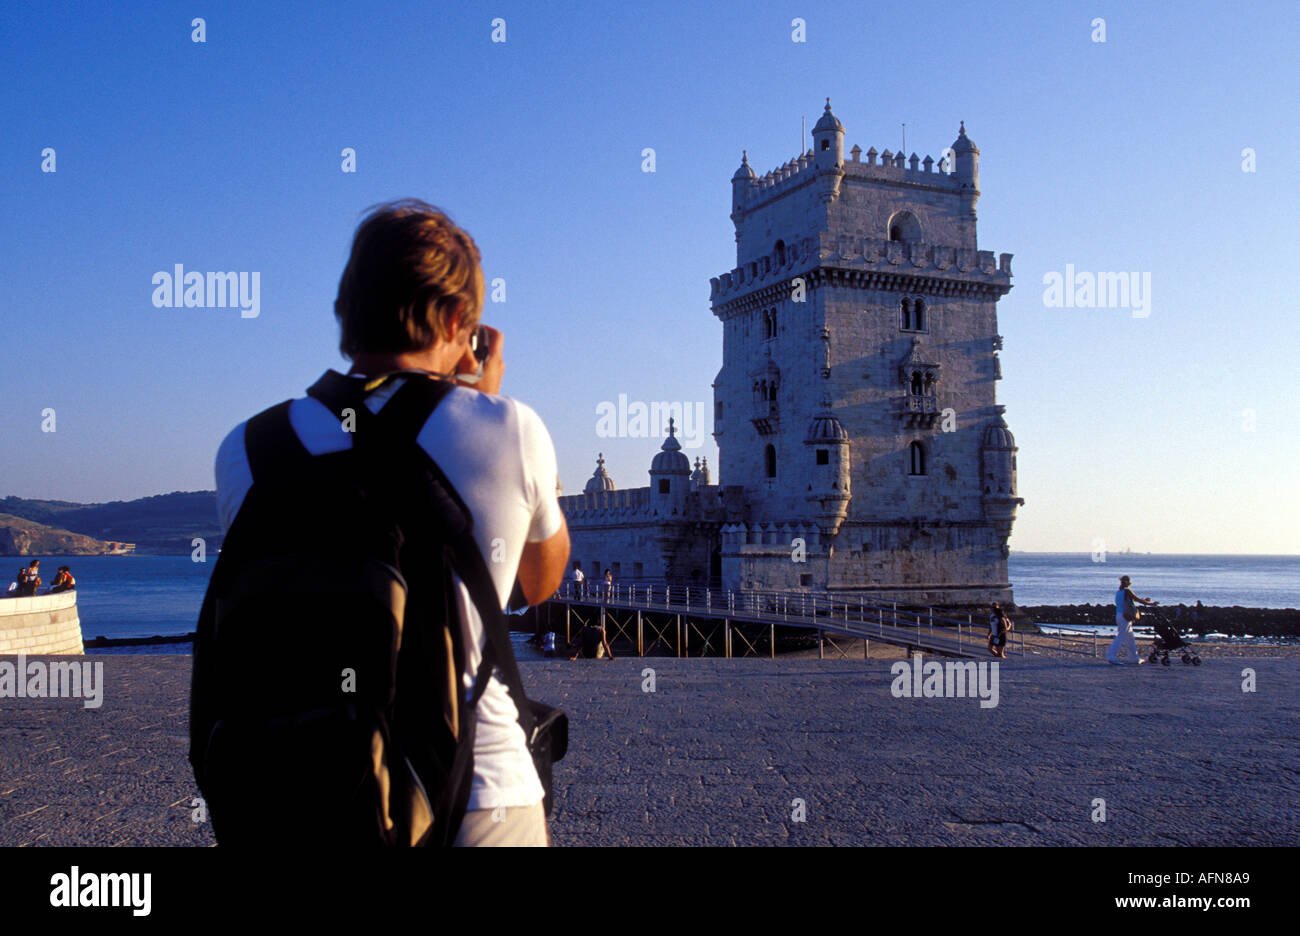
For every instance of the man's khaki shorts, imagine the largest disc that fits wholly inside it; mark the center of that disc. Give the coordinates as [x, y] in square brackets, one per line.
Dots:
[505, 825]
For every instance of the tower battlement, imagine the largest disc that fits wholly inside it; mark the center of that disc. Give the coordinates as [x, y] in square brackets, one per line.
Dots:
[853, 252]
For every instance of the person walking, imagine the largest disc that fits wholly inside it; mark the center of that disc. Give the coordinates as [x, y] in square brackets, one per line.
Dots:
[1126, 615]
[999, 624]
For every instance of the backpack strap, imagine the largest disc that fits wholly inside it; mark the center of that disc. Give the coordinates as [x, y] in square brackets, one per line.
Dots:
[403, 416]
[273, 448]
[406, 413]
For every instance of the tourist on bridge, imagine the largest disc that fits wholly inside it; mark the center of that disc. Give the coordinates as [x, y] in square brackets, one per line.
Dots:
[609, 585]
[1126, 615]
[579, 581]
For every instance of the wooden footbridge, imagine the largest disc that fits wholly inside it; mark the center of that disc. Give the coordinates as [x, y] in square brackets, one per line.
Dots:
[686, 621]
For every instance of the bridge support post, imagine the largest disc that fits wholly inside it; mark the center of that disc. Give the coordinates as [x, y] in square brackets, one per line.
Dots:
[568, 638]
[821, 644]
[866, 648]
[726, 637]
[680, 647]
[772, 647]
[640, 639]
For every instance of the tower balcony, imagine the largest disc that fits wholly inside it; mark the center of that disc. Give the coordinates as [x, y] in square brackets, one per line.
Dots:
[766, 418]
[919, 410]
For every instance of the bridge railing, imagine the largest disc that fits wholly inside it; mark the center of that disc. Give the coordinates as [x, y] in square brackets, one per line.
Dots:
[855, 617]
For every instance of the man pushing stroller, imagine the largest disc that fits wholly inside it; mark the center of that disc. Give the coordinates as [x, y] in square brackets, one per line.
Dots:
[1126, 615]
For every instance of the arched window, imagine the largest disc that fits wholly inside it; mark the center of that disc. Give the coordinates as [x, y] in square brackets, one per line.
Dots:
[769, 461]
[903, 226]
[913, 310]
[916, 459]
[780, 253]
[918, 386]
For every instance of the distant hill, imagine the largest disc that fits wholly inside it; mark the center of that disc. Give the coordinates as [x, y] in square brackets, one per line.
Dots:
[164, 524]
[22, 537]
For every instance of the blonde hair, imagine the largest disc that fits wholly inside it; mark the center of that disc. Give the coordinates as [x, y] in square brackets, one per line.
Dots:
[412, 277]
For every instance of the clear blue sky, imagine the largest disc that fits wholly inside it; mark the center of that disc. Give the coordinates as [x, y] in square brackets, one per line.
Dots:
[226, 156]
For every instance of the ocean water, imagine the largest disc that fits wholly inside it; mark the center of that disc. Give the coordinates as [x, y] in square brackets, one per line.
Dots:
[1224, 581]
[142, 596]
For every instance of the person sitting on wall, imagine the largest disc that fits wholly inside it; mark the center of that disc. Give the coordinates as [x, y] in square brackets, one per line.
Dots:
[63, 581]
[31, 580]
[593, 644]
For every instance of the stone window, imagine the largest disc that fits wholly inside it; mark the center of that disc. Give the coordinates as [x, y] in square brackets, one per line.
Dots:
[664, 485]
[805, 579]
[903, 226]
[717, 410]
[913, 309]
[823, 456]
[769, 461]
[638, 570]
[614, 568]
[916, 459]
[779, 250]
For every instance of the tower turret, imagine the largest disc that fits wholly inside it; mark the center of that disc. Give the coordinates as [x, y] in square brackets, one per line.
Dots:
[828, 442]
[600, 479]
[966, 159]
[670, 477]
[742, 182]
[998, 477]
[828, 154]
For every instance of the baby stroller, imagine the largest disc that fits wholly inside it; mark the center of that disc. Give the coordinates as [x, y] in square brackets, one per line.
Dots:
[1169, 639]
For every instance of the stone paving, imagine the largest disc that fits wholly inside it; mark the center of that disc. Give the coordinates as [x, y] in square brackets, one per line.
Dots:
[721, 750]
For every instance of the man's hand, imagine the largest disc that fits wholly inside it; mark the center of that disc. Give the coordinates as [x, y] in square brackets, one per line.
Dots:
[494, 368]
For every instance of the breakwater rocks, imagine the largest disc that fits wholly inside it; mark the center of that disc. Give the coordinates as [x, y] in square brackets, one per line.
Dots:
[1233, 621]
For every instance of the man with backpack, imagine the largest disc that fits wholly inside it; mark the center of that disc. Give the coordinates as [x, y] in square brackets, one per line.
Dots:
[401, 495]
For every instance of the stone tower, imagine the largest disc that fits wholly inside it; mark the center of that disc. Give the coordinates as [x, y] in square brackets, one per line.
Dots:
[856, 406]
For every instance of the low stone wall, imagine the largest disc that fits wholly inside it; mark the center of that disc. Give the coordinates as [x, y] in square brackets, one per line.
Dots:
[43, 624]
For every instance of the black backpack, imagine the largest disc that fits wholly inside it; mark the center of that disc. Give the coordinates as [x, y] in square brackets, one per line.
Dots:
[327, 704]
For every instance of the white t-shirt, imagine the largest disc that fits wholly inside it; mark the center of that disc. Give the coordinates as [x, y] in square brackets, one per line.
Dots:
[498, 456]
